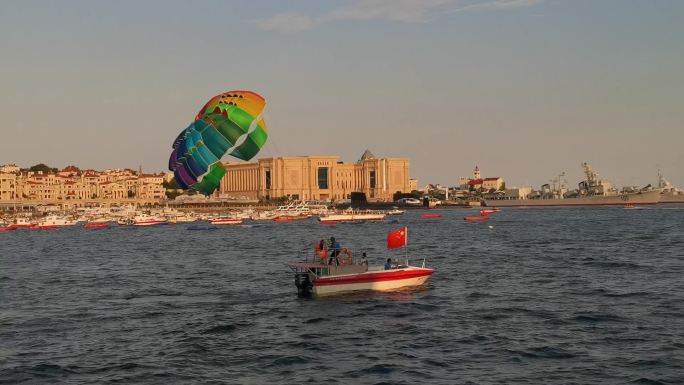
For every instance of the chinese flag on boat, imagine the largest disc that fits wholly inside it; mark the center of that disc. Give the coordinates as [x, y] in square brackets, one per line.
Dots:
[397, 238]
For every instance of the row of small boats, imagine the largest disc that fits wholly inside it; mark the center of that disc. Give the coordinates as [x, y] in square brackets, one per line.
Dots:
[236, 218]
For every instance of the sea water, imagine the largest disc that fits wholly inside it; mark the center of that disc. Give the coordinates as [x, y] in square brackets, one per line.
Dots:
[533, 296]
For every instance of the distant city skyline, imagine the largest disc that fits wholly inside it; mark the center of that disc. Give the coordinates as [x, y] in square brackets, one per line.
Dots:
[524, 89]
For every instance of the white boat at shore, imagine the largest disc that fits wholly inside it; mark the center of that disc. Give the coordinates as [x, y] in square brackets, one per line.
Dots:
[22, 222]
[292, 211]
[395, 211]
[225, 221]
[147, 220]
[351, 216]
[55, 221]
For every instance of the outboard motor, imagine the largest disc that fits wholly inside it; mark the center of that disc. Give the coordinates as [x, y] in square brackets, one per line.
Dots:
[303, 283]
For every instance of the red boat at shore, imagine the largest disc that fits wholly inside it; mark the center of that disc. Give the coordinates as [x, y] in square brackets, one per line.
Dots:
[291, 218]
[476, 219]
[8, 228]
[431, 216]
[44, 227]
[96, 225]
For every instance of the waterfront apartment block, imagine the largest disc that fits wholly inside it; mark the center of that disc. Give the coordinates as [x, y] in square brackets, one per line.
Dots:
[317, 178]
[72, 187]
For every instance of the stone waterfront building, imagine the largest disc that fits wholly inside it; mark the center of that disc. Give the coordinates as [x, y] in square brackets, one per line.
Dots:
[317, 178]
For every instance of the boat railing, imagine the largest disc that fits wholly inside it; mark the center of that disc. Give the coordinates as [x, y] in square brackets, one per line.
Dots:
[311, 262]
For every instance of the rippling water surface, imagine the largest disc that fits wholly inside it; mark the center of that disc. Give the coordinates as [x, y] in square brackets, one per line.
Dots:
[584, 295]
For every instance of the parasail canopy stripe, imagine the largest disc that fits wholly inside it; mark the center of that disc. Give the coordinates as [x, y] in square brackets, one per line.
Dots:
[228, 123]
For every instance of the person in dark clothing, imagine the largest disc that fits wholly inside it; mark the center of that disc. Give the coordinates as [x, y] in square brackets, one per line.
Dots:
[388, 264]
[334, 252]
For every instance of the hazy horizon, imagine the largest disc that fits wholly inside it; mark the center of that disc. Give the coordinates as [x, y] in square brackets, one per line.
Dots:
[525, 89]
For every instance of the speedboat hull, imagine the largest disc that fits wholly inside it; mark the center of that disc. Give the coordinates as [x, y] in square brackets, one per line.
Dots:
[381, 280]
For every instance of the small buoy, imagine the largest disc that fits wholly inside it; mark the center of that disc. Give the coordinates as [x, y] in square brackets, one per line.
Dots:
[431, 216]
[490, 226]
[476, 219]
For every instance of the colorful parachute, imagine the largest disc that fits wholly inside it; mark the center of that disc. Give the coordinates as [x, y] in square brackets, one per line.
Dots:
[230, 123]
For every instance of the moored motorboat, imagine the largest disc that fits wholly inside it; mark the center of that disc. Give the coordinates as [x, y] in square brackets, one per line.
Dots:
[395, 211]
[151, 222]
[51, 221]
[317, 277]
[22, 223]
[351, 216]
[291, 218]
[148, 220]
[225, 221]
[8, 228]
[44, 227]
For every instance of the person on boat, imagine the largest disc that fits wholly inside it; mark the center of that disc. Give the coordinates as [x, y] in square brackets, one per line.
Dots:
[364, 260]
[388, 264]
[334, 251]
[321, 251]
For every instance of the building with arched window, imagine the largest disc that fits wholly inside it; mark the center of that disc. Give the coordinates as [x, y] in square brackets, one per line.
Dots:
[316, 178]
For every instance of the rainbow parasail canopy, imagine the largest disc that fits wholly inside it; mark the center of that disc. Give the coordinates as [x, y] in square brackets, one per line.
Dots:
[230, 123]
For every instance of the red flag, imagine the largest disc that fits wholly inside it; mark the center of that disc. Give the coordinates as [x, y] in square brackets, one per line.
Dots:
[397, 238]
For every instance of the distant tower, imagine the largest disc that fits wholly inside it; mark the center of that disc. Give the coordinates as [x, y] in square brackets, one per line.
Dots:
[476, 173]
[140, 170]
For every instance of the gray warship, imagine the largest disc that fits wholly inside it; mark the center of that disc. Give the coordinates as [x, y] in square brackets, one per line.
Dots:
[593, 191]
[670, 193]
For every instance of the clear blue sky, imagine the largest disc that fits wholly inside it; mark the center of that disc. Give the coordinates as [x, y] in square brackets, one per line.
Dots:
[522, 88]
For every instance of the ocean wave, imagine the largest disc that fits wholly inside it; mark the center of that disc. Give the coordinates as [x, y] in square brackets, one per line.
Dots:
[597, 317]
[647, 381]
[547, 352]
[220, 329]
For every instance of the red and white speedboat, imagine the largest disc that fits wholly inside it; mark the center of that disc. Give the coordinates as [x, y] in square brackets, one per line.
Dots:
[316, 277]
[320, 279]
